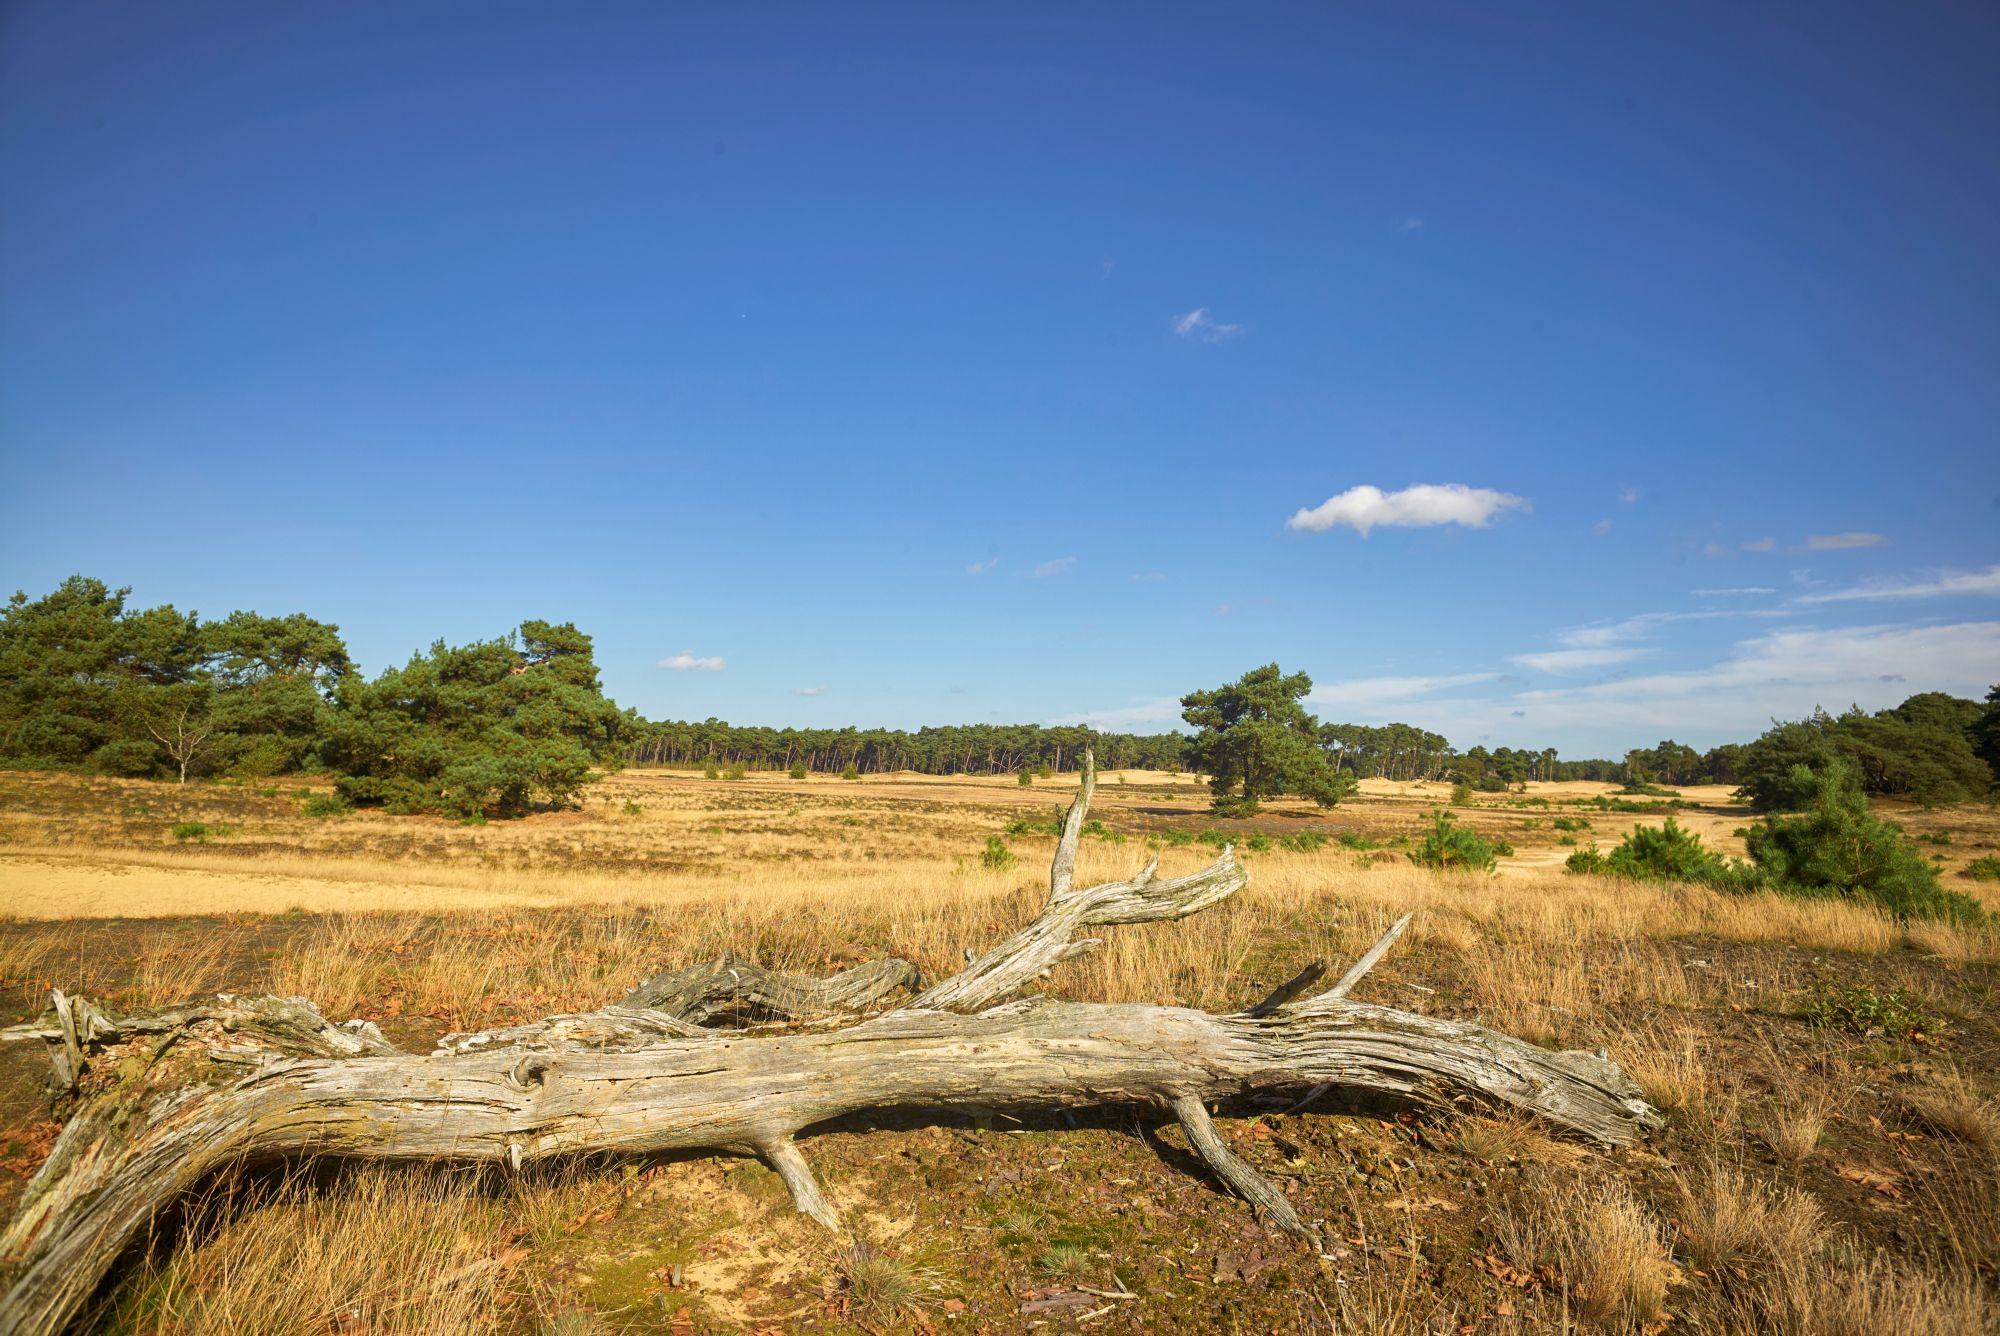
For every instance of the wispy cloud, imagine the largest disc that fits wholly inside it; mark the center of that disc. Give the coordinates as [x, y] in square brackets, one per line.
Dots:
[981, 567]
[1835, 542]
[811, 691]
[1644, 625]
[1369, 692]
[1159, 712]
[1628, 494]
[1363, 508]
[1759, 545]
[1607, 644]
[1730, 593]
[1410, 223]
[1148, 577]
[1059, 566]
[1601, 528]
[1198, 324]
[1943, 584]
[1784, 675]
[1578, 660]
[688, 661]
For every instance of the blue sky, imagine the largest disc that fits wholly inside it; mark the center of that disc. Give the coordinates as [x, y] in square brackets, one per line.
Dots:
[920, 364]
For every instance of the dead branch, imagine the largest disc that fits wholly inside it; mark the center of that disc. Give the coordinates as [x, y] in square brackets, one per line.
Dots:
[168, 1098]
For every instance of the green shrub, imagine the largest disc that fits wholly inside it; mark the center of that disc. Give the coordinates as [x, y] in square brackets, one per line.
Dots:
[1984, 869]
[1461, 794]
[199, 831]
[1257, 844]
[1863, 1010]
[1837, 848]
[264, 757]
[1214, 838]
[632, 807]
[1668, 853]
[736, 770]
[798, 770]
[327, 805]
[1570, 823]
[710, 772]
[1585, 861]
[1305, 842]
[1355, 840]
[1447, 845]
[849, 772]
[1025, 779]
[476, 817]
[1641, 788]
[129, 757]
[996, 854]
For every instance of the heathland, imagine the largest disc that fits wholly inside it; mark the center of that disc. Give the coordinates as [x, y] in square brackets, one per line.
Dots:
[1831, 1159]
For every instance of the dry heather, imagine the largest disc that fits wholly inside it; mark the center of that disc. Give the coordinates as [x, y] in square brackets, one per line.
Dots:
[1831, 1164]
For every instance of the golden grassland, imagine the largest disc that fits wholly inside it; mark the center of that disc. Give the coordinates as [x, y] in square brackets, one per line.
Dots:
[1832, 1161]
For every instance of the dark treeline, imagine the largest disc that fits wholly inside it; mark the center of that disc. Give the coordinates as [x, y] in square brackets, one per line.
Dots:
[951, 749]
[498, 726]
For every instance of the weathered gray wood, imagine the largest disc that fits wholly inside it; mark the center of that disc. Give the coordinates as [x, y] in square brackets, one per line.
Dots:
[1369, 959]
[725, 985]
[1232, 1169]
[168, 1098]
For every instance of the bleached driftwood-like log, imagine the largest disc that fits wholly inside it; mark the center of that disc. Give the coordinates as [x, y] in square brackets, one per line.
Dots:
[166, 1099]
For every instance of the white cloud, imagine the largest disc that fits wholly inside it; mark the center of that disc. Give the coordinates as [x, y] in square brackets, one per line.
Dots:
[688, 661]
[981, 567]
[1364, 507]
[1730, 593]
[1601, 528]
[810, 691]
[1060, 566]
[1224, 609]
[1148, 577]
[1628, 494]
[1577, 660]
[1783, 675]
[1161, 712]
[1646, 624]
[1411, 223]
[1366, 692]
[1607, 644]
[1199, 324]
[1759, 545]
[1944, 584]
[1711, 549]
[1835, 542]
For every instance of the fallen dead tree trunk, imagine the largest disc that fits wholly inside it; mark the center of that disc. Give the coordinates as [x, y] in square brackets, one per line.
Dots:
[165, 1100]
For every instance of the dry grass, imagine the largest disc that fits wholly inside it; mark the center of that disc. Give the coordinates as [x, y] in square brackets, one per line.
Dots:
[1951, 1107]
[1795, 1132]
[385, 1251]
[444, 927]
[1877, 1298]
[1601, 1240]
[1730, 1220]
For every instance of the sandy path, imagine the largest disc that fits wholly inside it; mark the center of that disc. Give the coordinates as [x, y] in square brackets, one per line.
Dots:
[40, 887]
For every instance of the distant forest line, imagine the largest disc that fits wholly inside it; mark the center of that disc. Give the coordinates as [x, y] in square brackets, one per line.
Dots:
[499, 726]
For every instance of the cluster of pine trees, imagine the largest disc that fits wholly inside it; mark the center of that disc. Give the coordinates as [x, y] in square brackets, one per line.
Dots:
[496, 727]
